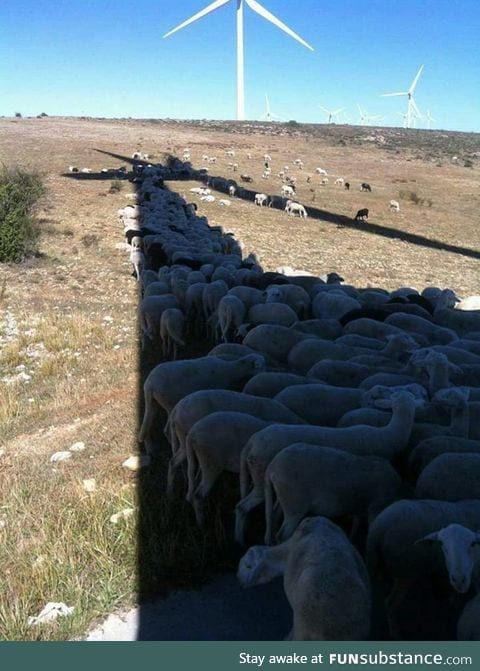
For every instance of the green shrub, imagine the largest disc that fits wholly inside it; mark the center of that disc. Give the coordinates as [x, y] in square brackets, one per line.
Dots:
[19, 192]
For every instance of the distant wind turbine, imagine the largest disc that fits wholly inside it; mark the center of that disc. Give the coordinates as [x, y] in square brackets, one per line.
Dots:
[412, 109]
[429, 118]
[366, 119]
[256, 7]
[331, 114]
[268, 116]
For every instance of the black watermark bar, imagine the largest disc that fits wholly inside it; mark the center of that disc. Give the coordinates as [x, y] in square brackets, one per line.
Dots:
[235, 656]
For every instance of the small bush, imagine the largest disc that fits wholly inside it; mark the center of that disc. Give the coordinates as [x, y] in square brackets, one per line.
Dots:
[19, 192]
[116, 186]
[90, 240]
[413, 197]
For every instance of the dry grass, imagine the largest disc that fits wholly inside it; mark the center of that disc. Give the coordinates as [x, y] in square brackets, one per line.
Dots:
[68, 321]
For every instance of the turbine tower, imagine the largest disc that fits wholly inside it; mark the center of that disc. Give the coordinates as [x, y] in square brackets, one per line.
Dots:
[268, 116]
[366, 119]
[256, 7]
[331, 114]
[412, 109]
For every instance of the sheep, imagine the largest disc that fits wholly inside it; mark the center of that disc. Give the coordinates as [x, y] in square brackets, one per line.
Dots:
[427, 450]
[246, 178]
[169, 382]
[231, 312]
[196, 405]
[293, 296]
[267, 157]
[386, 442]
[365, 187]
[319, 404]
[172, 326]
[151, 309]
[347, 186]
[232, 190]
[321, 171]
[435, 334]
[339, 181]
[272, 313]
[261, 199]
[248, 295]
[339, 373]
[137, 259]
[213, 445]
[274, 340]
[324, 481]
[406, 541]
[269, 384]
[469, 303]
[212, 294]
[295, 208]
[208, 199]
[324, 181]
[394, 206]
[450, 477]
[325, 581]
[225, 202]
[333, 304]
[287, 191]
[362, 215]
[72, 168]
[468, 626]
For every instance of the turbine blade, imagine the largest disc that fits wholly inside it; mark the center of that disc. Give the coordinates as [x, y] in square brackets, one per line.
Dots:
[324, 109]
[387, 95]
[414, 83]
[203, 12]
[338, 111]
[417, 111]
[253, 4]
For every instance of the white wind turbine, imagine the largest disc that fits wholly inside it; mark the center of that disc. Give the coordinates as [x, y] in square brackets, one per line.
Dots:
[331, 114]
[429, 118]
[268, 116]
[412, 109]
[256, 7]
[366, 119]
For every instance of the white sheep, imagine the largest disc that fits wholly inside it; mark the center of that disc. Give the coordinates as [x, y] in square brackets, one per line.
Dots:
[231, 313]
[287, 191]
[213, 445]
[394, 206]
[272, 313]
[295, 208]
[261, 199]
[321, 171]
[468, 626]
[325, 581]
[305, 478]
[150, 313]
[450, 477]
[387, 442]
[232, 190]
[225, 202]
[339, 181]
[196, 405]
[324, 181]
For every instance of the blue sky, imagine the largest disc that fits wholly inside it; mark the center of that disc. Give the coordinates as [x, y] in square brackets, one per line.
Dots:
[108, 58]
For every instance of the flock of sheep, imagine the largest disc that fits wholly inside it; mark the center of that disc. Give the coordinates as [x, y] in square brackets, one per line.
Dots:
[351, 415]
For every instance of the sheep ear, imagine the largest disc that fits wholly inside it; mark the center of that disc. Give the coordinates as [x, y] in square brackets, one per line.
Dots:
[429, 538]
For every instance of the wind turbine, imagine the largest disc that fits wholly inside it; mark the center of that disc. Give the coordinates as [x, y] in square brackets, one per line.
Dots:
[256, 7]
[331, 113]
[412, 109]
[429, 118]
[366, 118]
[268, 116]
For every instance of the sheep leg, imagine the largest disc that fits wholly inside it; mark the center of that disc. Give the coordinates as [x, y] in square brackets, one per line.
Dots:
[290, 523]
[209, 477]
[151, 411]
[173, 465]
[242, 509]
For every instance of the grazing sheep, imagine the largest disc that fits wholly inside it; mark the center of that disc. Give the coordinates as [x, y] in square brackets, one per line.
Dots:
[232, 190]
[261, 199]
[362, 215]
[339, 181]
[394, 206]
[347, 186]
[365, 187]
[246, 178]
[293, 296]
[324, 181]
[287, 191]
[225, 202]
[325, 581]
[321, 171]
[295, 208]
[324, 481]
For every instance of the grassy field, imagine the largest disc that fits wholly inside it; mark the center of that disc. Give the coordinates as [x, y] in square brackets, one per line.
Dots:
[69, 368]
